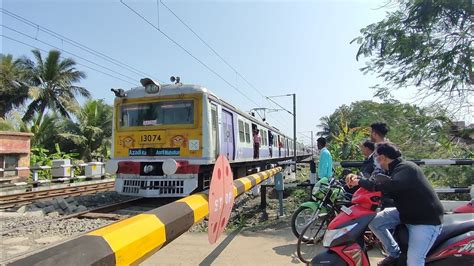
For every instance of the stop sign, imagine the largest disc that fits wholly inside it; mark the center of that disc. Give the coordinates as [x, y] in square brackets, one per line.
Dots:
[221, 198]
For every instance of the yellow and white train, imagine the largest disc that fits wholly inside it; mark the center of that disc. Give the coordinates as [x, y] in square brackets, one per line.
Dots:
[166, 139]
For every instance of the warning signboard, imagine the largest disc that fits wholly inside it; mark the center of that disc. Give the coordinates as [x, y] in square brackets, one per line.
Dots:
[221, 198]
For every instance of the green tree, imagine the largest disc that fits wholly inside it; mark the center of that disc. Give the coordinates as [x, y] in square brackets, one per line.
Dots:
[420, 133]
[331, 125]
[90, 135]
[51, 82]
[45, 132]
[13, 91]
[423, 43]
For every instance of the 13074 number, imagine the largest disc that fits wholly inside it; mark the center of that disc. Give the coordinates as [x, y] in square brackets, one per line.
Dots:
[150, 138]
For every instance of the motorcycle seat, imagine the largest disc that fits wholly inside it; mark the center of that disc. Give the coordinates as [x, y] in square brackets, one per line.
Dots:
[453, 225]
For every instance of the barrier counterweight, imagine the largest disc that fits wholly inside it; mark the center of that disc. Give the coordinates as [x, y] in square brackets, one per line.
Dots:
[132, 240]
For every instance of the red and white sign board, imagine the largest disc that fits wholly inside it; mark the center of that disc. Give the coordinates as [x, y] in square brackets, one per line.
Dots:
[221, 198]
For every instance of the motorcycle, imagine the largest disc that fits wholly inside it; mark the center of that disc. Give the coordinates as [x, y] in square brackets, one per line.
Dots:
[343, 238]
[325, 211]
[465, 208]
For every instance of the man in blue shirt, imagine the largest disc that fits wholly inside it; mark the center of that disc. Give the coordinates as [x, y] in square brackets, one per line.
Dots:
[325, 160]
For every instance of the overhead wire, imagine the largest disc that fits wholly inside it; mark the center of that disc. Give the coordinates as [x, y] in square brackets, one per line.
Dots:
[212, 49]
[29, 45]
[76, 44]
[67, 52]
[189, 53]
[275, 118]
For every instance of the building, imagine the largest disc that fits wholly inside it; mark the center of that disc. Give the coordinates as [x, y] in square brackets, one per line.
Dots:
[14, 152]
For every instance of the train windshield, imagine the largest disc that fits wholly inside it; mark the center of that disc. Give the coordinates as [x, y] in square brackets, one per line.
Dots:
[157, 113]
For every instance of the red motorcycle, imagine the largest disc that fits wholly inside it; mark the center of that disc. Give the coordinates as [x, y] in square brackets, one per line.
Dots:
[466, 208]
[344, 245]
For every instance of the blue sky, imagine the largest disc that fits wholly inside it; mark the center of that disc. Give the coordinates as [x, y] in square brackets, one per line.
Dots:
[280, 47]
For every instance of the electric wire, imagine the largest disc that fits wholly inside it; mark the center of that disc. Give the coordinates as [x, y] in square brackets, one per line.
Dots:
[76, 44]
[212, 49]
[189, 53]
[67, 52]
[29, 45]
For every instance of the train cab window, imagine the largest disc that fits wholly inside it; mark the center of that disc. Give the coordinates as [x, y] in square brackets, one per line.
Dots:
[241, 131]
[262, 135]
[157, 113]
[247, 133]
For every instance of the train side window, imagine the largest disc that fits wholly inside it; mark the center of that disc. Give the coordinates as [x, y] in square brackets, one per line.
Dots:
[241, 131]
[247, 133]
[214, 129]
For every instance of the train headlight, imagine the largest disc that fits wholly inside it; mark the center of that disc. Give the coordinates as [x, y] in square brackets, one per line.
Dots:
[170, 166]
[111, 167]
[148, 168]
[150, 85]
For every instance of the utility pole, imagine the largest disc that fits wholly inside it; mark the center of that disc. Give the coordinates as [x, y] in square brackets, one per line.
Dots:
[294, 128]
[312, 145]
[294, 120]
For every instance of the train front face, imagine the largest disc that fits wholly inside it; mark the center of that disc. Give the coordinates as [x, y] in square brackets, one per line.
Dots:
[157, 141]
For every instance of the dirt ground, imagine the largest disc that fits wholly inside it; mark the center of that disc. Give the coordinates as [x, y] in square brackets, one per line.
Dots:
[269, 245]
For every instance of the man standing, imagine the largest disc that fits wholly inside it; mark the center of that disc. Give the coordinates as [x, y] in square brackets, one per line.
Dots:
[416, 205]
[377, 135]
[256, 144]
[325, 160]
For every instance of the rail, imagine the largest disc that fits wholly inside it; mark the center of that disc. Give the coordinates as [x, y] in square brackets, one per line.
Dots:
[11, 200]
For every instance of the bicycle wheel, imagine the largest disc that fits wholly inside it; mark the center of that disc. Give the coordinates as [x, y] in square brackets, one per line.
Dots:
[305, 249]
[301, 218]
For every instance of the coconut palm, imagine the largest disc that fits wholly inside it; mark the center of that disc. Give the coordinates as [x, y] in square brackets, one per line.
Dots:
[13, 91]
[51, 82]
[90, 134]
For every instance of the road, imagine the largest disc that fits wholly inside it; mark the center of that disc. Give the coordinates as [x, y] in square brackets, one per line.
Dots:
[270, 246]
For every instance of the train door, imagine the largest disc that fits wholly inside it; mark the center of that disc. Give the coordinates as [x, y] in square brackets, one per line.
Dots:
[270, 143]
[280, 143]
[227, 129]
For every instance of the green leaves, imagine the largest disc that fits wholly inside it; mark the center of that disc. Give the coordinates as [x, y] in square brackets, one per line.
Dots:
[13, 91]
[90, 134]
[425, 43]
[53, 79]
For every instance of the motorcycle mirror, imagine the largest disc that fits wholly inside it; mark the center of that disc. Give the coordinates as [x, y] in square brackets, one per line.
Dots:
[382, 179]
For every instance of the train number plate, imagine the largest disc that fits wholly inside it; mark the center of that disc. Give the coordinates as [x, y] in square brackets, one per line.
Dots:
[150, 139]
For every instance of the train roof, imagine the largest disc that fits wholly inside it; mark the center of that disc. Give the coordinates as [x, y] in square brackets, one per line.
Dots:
[168, 89]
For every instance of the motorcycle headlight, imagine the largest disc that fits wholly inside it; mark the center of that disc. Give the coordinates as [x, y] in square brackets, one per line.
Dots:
[332, 235]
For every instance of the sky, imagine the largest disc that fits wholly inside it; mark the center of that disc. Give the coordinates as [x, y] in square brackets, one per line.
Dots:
[279, 47]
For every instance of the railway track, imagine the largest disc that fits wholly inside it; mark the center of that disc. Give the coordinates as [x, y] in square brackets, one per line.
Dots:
[112, 213]
[9, 201]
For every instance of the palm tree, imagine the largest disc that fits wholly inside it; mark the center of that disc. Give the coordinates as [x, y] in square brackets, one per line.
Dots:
[90, 135]
[51, 85]
[13, 91]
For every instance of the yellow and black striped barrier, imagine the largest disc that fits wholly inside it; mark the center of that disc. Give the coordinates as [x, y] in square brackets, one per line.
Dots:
[132, 240]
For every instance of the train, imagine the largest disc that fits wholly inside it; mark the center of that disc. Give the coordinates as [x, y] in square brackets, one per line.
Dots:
[166, 138]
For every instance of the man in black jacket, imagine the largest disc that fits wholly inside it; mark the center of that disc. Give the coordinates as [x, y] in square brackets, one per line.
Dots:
[416, 202]
[367, 148]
